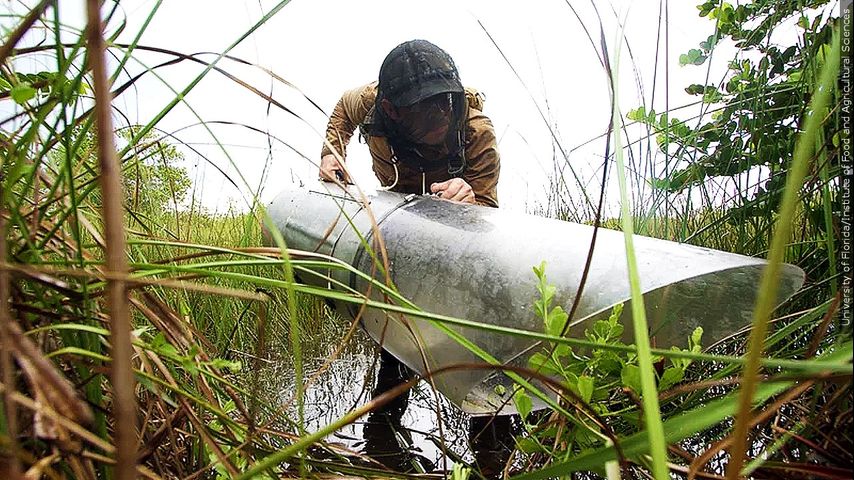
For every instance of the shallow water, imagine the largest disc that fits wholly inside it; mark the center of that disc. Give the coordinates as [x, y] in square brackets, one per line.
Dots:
[347, 382]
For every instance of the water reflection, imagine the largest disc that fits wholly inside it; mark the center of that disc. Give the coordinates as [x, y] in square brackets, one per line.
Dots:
[405, 436]
[490, 441]
[391, 444]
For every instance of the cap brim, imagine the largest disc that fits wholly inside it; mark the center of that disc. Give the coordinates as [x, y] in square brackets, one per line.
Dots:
[425, 90]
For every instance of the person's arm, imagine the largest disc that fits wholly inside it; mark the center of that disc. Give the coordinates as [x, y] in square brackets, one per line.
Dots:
[483, 164]
[346, 117]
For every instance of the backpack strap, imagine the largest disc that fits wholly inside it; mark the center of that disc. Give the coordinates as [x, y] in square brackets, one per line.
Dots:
[475, 98]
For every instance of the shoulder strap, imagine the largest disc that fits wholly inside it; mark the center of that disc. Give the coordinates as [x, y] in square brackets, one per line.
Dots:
[475, 98]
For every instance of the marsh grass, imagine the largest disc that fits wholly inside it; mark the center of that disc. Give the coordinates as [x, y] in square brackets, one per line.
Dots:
[206, 305]
[792, 223]
[71, 407]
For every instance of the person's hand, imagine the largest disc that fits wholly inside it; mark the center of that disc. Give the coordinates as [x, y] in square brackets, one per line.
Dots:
[331, 169]
[455, 189]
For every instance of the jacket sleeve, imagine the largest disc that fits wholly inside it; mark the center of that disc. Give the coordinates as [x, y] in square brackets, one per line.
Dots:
[483, 163]
[346, 117]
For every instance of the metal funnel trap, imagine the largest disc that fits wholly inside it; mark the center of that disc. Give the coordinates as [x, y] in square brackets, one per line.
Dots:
[475, 263]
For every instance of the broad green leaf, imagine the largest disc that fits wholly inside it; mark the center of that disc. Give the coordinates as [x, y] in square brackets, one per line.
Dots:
[637, 115]
[693, 57]
[543, 364]
[661, 183]
[562, 350]
[710, 42]
[616, 332]
[712, 96]
[523, 403]
[585, 388]
[571, 381]
[631, 377]
[695, 89]
[670, 377]
[556, 321]
[610, 363]
[602, 329]
[23, 93]
[539, 271]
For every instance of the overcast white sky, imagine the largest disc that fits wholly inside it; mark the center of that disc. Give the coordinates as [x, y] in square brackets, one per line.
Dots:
[326, 46]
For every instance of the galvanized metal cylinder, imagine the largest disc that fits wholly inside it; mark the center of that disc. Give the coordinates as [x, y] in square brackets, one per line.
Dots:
[476, 262]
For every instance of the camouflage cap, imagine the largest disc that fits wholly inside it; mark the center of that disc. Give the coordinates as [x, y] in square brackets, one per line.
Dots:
[416, 70]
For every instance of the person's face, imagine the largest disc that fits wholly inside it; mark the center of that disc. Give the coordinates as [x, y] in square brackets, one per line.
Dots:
[427, 121]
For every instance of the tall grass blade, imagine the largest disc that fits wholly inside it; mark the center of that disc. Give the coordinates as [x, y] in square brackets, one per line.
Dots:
[124, 394]
[770, 277]
[16, 35]
[649, 392]
[10, 411]
[293, 322]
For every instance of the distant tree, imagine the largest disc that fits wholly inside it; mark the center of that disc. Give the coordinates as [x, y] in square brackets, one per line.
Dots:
[154, 180]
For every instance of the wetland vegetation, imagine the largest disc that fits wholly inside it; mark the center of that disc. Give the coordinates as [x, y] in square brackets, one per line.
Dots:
[145, 336]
